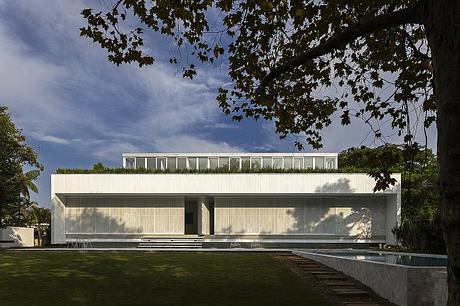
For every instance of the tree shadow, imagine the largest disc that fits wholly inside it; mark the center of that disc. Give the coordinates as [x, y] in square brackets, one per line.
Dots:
[322, 216]
[342, 185]
[109, 220]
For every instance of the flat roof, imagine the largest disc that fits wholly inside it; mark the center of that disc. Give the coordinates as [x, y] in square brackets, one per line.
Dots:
[223, 154]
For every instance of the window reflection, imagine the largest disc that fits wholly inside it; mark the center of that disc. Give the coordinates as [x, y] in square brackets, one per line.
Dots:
[235, 163]
[192, 163]
[130, 162]
[267, 162]
[255, 162]
[151, 163]
[140, 162]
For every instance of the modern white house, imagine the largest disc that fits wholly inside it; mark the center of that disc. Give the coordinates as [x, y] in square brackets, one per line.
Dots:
[188, 197]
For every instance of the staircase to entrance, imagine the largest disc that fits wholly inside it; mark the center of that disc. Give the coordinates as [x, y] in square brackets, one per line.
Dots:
[186, 242]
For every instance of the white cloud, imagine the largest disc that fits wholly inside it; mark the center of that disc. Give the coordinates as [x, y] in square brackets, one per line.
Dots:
[74, 94]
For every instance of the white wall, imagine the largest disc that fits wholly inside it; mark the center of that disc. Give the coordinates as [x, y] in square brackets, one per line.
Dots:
[217, 185]
[213, 184]
[111, 215]
[22, 236]
[362, 217]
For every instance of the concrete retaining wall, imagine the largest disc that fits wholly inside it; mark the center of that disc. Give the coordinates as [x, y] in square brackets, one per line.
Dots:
[440, 288]
[402, 285]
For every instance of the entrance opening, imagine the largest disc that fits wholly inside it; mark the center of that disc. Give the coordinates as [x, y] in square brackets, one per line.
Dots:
[191, 218]
[211, 218]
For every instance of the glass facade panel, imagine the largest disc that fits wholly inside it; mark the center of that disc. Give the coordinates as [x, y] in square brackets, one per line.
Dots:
[330, 163]
[245, 163]
[234, 163]
[171, 163]
[203, 163]
[130, 162]
[298, 161]
[256, 162]
[213, 162]
[277, 162]
[267, 162]
[140, 162]
[151, 163]
[192, 163]
[223, 162]
[308, 163]
[319, 162]
[161, 163]
[287, 162]
[181, 163]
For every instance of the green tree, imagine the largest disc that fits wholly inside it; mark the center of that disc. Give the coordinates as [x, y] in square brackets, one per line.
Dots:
[420, 228]
[299, 63]
[28, 184]
[14, 155]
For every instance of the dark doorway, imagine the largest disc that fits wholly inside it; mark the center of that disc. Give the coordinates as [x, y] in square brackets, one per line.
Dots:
[211, 218]
[191, 218]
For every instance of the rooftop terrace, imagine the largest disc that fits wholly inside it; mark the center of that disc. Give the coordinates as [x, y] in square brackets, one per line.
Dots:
[230, 161]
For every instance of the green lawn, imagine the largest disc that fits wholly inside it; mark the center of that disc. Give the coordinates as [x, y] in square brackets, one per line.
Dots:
[46, 278]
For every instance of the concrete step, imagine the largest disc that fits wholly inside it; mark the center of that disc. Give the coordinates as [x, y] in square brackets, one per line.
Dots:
[172, 240]
[339, 283]
[170, 246]
[331, 277]
[322, 272]
[350, 292]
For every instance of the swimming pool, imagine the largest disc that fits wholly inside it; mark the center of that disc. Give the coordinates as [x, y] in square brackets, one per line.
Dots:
[404, 279]
[411, 260]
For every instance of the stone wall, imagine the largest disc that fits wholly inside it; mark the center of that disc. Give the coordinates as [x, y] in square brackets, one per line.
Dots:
[401, 285]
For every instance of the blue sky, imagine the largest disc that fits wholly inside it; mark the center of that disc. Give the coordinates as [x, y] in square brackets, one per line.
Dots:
[76, 109]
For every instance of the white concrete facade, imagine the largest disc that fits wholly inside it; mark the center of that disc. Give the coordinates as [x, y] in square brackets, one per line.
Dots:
[303, 207]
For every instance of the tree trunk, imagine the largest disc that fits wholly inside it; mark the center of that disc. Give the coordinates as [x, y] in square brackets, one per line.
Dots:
[443, 30]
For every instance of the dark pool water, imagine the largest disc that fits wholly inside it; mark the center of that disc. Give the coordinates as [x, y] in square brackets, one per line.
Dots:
[400, 259]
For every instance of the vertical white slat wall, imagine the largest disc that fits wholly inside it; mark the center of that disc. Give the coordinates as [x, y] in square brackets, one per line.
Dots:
[125, 215]
[342, 216]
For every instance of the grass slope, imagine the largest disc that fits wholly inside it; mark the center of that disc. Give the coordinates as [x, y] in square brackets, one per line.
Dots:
[45, 278]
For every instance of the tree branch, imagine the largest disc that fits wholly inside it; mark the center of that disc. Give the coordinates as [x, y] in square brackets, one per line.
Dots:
[403, 16]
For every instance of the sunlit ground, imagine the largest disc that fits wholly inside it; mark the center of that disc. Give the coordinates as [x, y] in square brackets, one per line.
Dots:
[49, 278]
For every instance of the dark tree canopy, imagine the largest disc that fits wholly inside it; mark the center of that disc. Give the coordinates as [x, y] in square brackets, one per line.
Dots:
[295, 62]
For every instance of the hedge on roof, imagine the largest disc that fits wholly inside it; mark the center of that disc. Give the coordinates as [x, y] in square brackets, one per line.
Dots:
[99, 168]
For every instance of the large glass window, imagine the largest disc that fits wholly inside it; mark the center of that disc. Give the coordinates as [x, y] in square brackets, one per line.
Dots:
[171, 163]
[278, 162]
[256, 162]
[213, 162]
[161, 163]
[308, 162]
[181, 163]
[223, 162]
[267, 162]
[203, 163]
[140, 162]
[319, 162]
[287, 162]
[151, 163]
[245, 163]
[130, 162]
[298, 161]
[192, 163]
[234, 163]
[330, 163]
